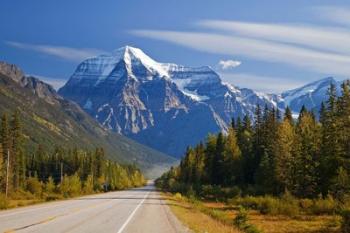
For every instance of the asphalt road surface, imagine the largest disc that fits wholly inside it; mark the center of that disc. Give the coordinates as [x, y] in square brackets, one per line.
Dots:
[129, 211]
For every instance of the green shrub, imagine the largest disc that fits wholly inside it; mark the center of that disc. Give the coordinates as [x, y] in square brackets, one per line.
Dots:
[242, 218]
[247, 202]
[22, 195]
[190, 193]
[305, 204]
[212, 191]
[286, 205]
[218, 215]
[50, 186]
[241, 222]
[34, 186]
[324, 206]
[269, 205]
[178, 196]
[345, 227]
[53, 196]
[75, 185]
[89, 185]
[3, 201]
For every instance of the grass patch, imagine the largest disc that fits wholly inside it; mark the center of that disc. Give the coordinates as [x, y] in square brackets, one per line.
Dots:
[212, 216]
[287, 205]
[189, 214]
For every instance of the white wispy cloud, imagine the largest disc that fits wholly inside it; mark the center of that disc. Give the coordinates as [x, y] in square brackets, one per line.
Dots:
[263, 83]
[256, 48]
[333, 39]
[336, 14]
[228, 64]
[63, 52]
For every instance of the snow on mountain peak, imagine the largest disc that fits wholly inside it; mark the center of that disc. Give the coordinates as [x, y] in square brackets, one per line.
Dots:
[290, 95]
[131, 54]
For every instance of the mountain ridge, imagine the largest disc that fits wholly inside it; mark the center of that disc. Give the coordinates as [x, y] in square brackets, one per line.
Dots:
[51, 120]
[168, 106]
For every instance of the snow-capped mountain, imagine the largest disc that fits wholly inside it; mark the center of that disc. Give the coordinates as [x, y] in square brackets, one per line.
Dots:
[165, 106]
[169, 106]
[311, 95]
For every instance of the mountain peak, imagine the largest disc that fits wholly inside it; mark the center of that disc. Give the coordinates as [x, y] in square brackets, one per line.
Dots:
[131, 55]
[11, 71]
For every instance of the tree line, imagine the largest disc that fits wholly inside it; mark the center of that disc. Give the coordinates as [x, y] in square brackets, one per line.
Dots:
[271, 154]
[68, 172]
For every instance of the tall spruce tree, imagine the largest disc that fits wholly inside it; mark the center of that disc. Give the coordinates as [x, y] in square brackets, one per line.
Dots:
[219, 160]
[308, 156]
[233, 160]
[330, 146]
[285, 152]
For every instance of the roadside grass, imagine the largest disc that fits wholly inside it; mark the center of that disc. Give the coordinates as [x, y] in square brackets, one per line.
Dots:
[192, 217]
[211, 216]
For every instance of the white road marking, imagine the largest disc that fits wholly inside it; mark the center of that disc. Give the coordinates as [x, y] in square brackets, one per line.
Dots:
[133, 213]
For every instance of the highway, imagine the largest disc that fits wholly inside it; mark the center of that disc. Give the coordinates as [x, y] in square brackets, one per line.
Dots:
[129, 211]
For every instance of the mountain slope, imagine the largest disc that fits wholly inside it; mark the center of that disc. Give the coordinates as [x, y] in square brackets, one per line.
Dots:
[165, 106]
[310, 95]
[49, 119]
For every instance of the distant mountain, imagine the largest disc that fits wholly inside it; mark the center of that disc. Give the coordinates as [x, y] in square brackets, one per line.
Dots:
[311, 95]
[49, 119]
[169, 106]
[164, 106]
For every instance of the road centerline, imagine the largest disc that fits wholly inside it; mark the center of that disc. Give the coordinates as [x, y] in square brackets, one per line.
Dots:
[133, 213]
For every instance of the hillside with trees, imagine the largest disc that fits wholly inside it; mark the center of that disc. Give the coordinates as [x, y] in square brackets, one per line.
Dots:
[50, 120]
[274, 156]
[59, 174]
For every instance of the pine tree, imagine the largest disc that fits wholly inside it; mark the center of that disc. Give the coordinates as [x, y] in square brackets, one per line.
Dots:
[199, 164]
[210, 148]
[308, 156]
[17, 157]
[258, 149]
[6, 146]
[233, 160]
[245, 143]
[288, 115]
[219, 160]
[285, 155]
[330, 145]
[2, 170]
[343, 121]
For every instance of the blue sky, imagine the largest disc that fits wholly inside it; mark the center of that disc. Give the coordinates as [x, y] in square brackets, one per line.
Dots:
[269, 46]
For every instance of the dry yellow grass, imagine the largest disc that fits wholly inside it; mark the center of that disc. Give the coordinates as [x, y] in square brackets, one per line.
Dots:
[304, 224]
[201, 222]
[19, 203]
[194, 219]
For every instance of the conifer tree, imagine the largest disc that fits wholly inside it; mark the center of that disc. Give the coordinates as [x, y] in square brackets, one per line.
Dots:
[330, 145]
[210, 149]
[288, 115]
[308, 156]
[6, 147]
[245, 143]
[233, 160]
[219, 160]
[17, 157]
[285, 155]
